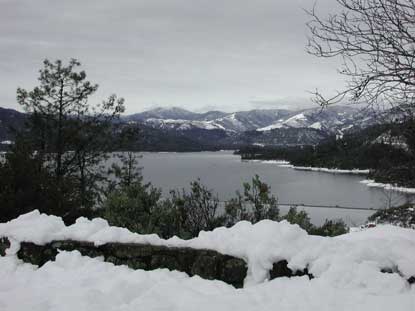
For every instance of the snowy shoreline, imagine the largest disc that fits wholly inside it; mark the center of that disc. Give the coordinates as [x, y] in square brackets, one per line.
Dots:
[368, 182]
[373, 184]
[283, 163]
[331, 170]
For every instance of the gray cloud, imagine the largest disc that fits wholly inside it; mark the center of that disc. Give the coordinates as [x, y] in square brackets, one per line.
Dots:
[229, 54]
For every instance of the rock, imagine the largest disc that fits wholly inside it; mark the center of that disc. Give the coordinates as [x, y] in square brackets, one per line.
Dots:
[280, 269]
[205, 266]
[4, 244]
[232, 271]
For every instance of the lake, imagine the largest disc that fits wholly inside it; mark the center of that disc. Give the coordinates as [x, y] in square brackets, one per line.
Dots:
[224, 173]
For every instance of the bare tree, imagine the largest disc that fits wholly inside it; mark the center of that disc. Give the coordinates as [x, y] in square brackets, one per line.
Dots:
[376, 41]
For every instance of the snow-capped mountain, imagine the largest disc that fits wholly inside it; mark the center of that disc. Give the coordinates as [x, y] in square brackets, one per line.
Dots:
[180, 129]
[333, 120]
[175, 113]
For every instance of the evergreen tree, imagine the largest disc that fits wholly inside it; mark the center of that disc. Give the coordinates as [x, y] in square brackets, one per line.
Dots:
[67, 135]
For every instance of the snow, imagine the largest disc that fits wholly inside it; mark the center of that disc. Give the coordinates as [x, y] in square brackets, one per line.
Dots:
[260, 244]
[332, 170]
[270, 127]
[373, 184]
[316, 125]
[298, 120]
[286, 164]
[346, 269]
[7, 142]
[279, 162]
[185, 124]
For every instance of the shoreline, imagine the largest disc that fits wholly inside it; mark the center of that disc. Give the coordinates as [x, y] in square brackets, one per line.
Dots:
[368, 182]
[373, 184]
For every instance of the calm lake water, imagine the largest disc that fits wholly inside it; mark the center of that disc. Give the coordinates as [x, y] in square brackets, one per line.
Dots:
[224, 173]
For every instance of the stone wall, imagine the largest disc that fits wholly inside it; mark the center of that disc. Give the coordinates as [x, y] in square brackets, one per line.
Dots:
[207, 264]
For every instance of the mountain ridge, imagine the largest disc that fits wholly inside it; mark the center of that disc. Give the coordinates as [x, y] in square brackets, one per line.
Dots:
[333, 119]
[217, 129]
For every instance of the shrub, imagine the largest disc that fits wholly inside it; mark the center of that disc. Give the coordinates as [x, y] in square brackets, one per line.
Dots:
[256, 203]
[300, 218]
[330, 228]
[132, 206]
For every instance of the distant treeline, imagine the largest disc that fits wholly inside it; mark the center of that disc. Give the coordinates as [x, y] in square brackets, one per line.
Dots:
[386, 149]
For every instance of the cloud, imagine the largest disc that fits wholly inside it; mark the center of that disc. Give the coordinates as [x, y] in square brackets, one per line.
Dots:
[222, 54]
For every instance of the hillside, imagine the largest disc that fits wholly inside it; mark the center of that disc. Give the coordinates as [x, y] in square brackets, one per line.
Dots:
[176, 129]
[10, 119]
[384, 149]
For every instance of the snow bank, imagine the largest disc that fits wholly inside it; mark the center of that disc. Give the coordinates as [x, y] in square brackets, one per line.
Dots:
[283, 163]
[372, 183]
[341, 259]
[79, 283]
[332, 170]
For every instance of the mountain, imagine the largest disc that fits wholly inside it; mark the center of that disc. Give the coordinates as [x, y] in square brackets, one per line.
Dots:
[175, 113]
[9, 119]
[333, 119]
[179, 129]
[272, 126]
[282, 137]
[180, 119]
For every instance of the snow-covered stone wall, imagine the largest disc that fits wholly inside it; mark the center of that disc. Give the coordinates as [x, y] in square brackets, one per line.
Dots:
[268, 249]
[207, 264]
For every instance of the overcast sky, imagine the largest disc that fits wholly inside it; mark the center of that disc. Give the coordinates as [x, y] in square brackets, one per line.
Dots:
[197, 54]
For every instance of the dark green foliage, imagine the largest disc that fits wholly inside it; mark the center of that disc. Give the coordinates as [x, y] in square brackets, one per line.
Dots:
[300, 218]
[403, 216]
[130, 202]
[133, 207]
[66, 139]
[21, 181]
[354, 150]
[330, 228]
[256, 203]
[196, 209]
[357, 150]
[140, 208]
[126, 173]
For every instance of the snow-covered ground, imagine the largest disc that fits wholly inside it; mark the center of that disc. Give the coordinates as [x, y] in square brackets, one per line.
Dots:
[347, 270]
